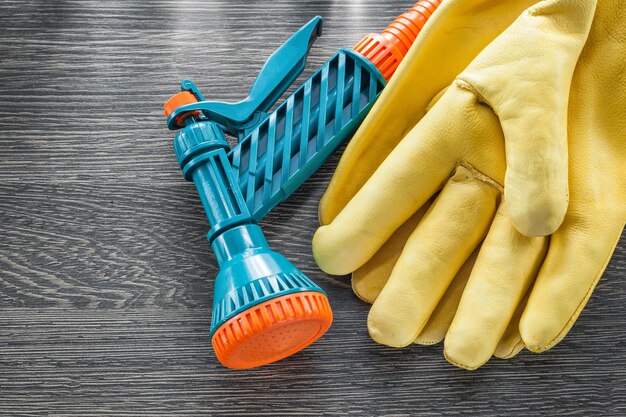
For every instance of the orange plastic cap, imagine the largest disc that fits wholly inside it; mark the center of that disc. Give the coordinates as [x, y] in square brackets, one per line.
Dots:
[272, 330]
[180, 99]
[387, 50]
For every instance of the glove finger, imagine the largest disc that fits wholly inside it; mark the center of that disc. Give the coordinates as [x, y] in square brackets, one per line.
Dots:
[506, 265]
[532, 62]
[456, 26]
[511, 342]
[437, 325]
[579, 253]
[449, 232]
[369, 280]
[412, 173]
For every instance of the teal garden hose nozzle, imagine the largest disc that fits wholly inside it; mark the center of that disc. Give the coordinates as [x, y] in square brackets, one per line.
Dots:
[264, 308]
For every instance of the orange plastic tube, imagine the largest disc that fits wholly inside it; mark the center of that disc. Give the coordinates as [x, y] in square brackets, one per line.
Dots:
[386, 50]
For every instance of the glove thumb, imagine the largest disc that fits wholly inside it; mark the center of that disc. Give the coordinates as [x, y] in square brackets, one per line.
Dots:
[525, 76]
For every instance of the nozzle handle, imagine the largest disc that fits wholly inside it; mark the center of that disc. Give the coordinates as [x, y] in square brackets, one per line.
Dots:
[276, 156]
[285, 149]
[279, 71]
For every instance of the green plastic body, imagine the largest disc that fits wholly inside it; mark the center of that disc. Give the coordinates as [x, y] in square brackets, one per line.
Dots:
[276, 153]
[287, 147]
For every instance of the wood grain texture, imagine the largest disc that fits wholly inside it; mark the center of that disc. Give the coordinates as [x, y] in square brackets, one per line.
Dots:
[105, 273]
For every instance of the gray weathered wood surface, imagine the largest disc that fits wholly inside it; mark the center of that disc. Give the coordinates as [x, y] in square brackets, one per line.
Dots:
[105, 273]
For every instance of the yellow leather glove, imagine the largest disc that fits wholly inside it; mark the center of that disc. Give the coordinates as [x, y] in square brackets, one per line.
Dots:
[514, 290]
[532, 65]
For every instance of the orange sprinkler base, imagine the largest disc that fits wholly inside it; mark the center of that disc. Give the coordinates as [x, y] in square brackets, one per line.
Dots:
[272, 330]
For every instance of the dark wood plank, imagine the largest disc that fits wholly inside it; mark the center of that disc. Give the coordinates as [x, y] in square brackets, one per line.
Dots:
[124, 244]
[91, 78]
[138, 361]
[105, 273]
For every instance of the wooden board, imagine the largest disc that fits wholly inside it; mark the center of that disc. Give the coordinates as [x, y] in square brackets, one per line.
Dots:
[105, 274]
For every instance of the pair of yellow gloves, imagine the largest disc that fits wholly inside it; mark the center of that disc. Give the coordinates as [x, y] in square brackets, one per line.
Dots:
[482, 198]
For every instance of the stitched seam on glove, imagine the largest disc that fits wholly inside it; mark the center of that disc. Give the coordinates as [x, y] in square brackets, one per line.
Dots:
[479, 175]
[467, 86]
[460, 365]
[426, 342]
[580, 307]
[509, 354]
[356, 292]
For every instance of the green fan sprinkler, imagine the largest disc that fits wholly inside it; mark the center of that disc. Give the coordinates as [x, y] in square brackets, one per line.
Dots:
[264, 308]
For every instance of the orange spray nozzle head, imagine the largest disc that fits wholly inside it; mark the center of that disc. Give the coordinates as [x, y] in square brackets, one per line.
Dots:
[387, 49]
[264, 308]
[272, 330]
